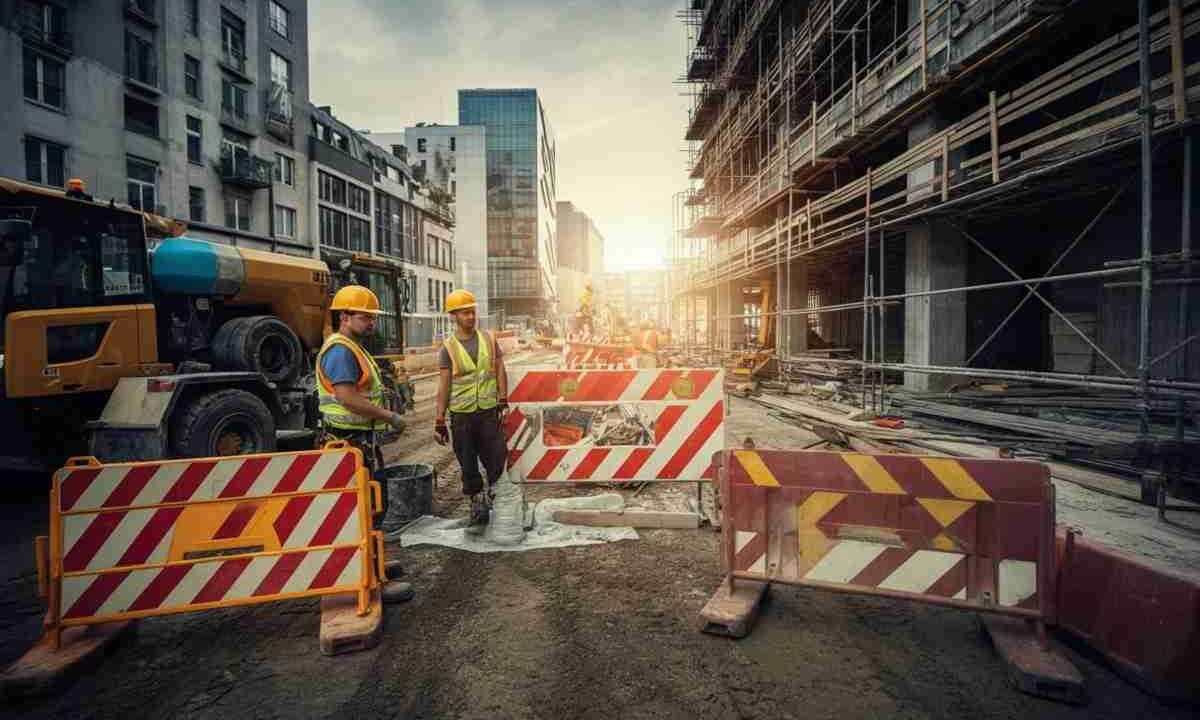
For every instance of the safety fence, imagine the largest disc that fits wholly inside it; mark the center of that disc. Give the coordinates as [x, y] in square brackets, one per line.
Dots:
[596, 356]
[614, 425]
[132, 540]
[975, 534]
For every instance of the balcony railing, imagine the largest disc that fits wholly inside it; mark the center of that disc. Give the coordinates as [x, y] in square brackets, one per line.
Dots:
[280, 114]
[248, 171]
[234, 59]
[33, 29]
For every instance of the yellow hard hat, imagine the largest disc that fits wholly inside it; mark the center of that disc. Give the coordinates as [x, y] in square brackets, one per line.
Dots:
[459, 300]
[356, 298]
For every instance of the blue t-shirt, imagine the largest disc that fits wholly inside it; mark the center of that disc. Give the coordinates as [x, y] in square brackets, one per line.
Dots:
[340, 366]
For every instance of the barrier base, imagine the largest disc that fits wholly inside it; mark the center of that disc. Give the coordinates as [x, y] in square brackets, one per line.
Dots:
[343, 630]
[1033, 669]
[732, 614]
[41, 671]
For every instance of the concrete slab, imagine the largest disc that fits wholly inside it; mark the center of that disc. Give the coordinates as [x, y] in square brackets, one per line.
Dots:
[343, 630]
[1033, 669]
[42, 671]
[732, 614]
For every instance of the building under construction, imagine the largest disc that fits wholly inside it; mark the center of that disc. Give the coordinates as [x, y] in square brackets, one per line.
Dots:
[919, 191]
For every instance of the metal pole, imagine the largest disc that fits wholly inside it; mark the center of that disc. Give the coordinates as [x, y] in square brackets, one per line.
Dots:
[1147, 110]
[1185, 251]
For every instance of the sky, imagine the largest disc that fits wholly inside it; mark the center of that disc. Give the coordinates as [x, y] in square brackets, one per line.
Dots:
[604, 69]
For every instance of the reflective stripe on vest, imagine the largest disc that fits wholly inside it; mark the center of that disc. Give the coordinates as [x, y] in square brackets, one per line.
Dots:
[370, 384]
[472, 383]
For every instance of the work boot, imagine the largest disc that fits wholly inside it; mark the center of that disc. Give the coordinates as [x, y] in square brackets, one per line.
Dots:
[479, 513]
[394, 592]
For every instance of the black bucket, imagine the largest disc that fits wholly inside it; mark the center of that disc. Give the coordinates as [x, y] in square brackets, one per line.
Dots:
[408, 490]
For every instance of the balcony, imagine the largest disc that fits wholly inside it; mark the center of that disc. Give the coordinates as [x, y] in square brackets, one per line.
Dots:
[280, 115]
[34, 31]
[234, 60]
[245, 170]
[142, 10]
[141, 69]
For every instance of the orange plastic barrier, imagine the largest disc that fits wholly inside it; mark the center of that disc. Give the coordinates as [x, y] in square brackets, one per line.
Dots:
[131, 540]
[976, 534]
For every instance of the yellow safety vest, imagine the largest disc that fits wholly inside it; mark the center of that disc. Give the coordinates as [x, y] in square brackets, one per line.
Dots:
[472, 384]
[370, 384]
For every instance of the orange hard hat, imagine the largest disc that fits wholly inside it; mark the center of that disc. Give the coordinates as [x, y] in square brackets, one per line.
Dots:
[76, 184]
[459, 300]
[356, 298]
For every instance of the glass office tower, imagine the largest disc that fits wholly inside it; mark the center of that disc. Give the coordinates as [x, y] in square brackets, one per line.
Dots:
[521, 193]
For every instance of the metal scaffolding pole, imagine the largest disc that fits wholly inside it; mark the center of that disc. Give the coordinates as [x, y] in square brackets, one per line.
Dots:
[1147, 111]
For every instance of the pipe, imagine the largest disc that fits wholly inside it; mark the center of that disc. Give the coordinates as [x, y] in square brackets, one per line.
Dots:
[1147, 110]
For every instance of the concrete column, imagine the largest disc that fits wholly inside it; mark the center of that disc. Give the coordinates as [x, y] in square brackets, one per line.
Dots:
[935, 327]
[798, 324]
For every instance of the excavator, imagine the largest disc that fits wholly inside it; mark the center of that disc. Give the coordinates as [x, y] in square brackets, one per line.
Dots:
[111, 349]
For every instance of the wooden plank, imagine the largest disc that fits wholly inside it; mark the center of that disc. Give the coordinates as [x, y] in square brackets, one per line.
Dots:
[994, 135]
[629, 518]
[1178, 86]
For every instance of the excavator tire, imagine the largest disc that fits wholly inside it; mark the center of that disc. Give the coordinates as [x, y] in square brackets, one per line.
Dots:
[261, 344]
[223, 423]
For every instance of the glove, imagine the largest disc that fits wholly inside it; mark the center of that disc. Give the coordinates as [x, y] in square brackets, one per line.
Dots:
[395, 421]
[440, 432]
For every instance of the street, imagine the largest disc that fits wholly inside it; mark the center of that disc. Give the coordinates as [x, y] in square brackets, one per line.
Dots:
[601, 631]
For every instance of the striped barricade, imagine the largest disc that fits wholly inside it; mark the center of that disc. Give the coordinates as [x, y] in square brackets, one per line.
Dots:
[593, 356]
[133, 540]
[614, 425]
[975, 534]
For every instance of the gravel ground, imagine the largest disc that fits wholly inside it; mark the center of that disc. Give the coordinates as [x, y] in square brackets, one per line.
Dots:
[593, 632]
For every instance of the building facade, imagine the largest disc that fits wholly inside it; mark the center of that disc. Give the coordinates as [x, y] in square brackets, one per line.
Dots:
[580, 258]
[879, 171]
[187, 109]
[521, 198]
[369, 202]
[452, 159]
[637, 296]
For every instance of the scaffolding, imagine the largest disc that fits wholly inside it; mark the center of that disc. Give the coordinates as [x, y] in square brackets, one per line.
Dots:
[821, 133]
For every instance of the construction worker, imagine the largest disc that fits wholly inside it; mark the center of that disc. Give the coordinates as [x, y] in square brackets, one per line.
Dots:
[473, 386]
[350, 391]
[647, 346]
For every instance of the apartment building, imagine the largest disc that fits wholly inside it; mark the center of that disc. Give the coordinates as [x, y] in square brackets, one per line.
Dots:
[580, 258]
[368, 201]
[187, 109]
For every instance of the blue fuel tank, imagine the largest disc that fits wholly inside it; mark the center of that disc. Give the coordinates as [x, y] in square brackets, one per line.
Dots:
[186, 266]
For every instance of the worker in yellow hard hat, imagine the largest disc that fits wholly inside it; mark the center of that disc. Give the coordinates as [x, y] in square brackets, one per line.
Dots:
[350, 391]
[473, 386]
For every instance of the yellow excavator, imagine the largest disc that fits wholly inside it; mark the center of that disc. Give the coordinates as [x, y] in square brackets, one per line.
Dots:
[112, 349]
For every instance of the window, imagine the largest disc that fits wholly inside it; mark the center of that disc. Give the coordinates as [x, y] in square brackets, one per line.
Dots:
[45, 162]
[194, 140]
[322, 131]
[233, 42]
[140, 61]
[196, 204]
[420, 144]
[233, 99]
[281, 70]
[451, 143]
[285, 169]
[191, 14]
[360, 235]
[429, 293]
[285, 221]
[45, 79]
[332, 228]
[360, 200]
[237, 212]
[393, 174]
[235, 155]
[191, 76]
[279, 17]
[48, 22]
[332, 189]
[141, 117]
[142, 184]
[453, 189]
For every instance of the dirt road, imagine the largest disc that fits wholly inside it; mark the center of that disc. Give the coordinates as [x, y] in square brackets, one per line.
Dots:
[593, 632]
